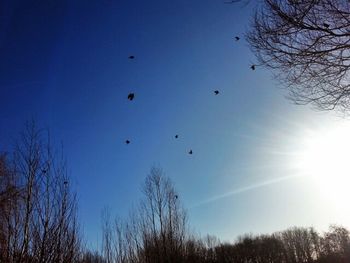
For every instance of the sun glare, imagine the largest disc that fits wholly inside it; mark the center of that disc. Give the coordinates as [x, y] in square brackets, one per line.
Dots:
[325, 159]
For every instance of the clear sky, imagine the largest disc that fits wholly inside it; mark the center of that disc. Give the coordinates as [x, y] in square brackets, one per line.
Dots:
[65, 64]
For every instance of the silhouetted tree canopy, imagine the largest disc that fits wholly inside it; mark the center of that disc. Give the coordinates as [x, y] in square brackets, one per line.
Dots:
[306, 43]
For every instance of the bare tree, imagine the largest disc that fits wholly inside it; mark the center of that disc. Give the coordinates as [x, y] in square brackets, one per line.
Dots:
[107, 236]
[336, 244]
[9, 197]
[306, 43]
[154, 233]
[164, 220]
[38, 215]
[299, 244]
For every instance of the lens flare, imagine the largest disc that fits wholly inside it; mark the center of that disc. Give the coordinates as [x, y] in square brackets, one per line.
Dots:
[325, 159]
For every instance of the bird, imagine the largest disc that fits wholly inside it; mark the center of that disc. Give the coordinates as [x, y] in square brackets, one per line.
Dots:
[176, 136]
[252, 67]
[131, 96]
[127, 141]
[237, 38]
[176, 196]
[216, 92]
[190, 152]
[326, 25]
[65, 182]
[131, 57]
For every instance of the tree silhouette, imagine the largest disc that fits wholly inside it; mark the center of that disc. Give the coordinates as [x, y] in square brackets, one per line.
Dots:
[38, 219]
[306, 44]
[154, 233]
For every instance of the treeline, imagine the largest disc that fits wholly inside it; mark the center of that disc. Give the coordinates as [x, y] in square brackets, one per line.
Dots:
[289, 246]
[157, 232]
[38, 222]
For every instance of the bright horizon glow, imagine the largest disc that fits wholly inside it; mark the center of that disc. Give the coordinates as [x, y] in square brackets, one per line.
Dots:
[324, 159]
[315, 154]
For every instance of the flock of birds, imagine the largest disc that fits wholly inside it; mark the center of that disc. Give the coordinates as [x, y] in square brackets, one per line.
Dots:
[131, 95]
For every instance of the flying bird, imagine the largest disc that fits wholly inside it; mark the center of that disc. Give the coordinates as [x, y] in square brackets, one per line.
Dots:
[131, 57]
[252, 67]
[131, 96]
[216, 92]
[190, 152]
[176, 136]
[127, 141]
[237, 38]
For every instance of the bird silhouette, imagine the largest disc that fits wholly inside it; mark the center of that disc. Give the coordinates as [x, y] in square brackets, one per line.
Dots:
[65, 182]
[190, 152]
[176, 136]
[131, 57]
[131, 96]
[127, 141]
[216, 92]
[326, 25]
[252, 67]
[176, 196]
[237, 38]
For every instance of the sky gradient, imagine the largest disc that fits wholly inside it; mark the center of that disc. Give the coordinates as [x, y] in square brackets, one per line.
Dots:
[65, 64]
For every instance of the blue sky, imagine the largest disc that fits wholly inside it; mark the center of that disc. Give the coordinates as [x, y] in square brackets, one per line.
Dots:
[65, 64]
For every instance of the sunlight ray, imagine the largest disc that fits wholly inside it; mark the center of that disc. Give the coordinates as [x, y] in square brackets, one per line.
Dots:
[246, 189]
